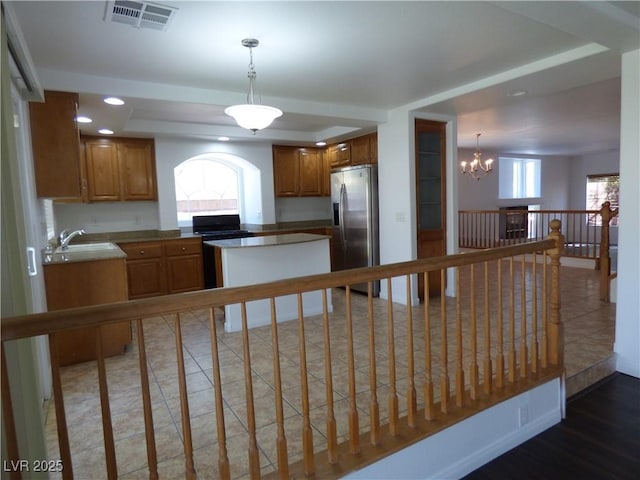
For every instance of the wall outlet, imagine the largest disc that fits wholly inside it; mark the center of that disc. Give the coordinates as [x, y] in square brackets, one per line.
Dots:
[400, 217]
[523, 415]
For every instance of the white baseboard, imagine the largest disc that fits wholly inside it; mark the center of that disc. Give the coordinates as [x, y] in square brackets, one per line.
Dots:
[467, 445]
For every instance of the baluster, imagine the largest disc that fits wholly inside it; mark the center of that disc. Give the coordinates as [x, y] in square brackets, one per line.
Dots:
[534, 315]
[512, 325]
[11, 438]
[524, 356]
[152, 457]
[107, 427]
[459, 346]
[307, 433]
[61, 418]
[545, 311]
[332, 436]
[374, 408]
[473, 374]
[500, 334]
[254, 457]
[354, 428]
[393, 395]
[444, 378]
[429, 412]
[556, 332]
[184, 403]
[281, 438]
[224, 471]
[488, 374]
[411, 387]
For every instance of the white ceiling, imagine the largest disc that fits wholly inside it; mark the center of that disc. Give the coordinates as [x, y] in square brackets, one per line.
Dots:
[336, 68]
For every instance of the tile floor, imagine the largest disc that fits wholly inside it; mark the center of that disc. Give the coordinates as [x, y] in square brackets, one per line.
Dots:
[589, 333]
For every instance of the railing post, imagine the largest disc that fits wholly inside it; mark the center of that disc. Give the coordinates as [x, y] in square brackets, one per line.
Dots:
[555, 327]
[606, 215]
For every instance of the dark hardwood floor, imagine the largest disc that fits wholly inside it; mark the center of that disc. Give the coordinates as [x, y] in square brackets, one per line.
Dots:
[599, 439]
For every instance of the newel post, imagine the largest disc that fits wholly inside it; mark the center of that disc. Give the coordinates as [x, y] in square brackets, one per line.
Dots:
[606, 215]
[555, 327]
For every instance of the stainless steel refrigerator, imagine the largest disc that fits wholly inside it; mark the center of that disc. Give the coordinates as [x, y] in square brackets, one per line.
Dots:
[354, 199]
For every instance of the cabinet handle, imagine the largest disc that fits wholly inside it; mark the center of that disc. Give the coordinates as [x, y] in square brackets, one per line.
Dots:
[184, 249]
[141, 252]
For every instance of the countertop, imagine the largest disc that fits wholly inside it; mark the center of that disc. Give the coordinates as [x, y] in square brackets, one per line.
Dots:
[266, 241]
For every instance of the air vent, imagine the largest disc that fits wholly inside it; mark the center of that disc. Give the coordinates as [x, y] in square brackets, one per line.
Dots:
[140, 14]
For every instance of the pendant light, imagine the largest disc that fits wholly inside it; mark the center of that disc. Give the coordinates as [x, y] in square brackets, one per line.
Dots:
[476, 164]
[251, 115]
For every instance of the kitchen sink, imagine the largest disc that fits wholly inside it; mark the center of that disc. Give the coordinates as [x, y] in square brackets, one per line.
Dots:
[87, 247]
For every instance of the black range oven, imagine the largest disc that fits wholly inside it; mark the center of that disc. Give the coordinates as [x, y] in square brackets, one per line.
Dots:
[216, 227]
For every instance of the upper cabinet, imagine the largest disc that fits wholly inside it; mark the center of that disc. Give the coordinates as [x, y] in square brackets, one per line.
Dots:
[357, 151]
[55, 144]
[298, 172]
[119, 169]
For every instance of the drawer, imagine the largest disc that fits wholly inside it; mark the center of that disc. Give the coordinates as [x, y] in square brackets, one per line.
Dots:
[183, 247]
[137, 251]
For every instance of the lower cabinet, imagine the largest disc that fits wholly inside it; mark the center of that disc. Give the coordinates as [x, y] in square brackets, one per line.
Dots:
[80, 284]
[184, 265]
[163, 267]
[145, 269]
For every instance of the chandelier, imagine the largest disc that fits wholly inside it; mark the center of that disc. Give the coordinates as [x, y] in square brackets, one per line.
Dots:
[477, 167]
[251, 115]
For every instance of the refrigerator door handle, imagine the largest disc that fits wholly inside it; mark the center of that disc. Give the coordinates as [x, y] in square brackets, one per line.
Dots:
[32, 266]
[341, 213]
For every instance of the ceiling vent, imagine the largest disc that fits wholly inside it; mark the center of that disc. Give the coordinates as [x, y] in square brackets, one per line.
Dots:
[140, 14]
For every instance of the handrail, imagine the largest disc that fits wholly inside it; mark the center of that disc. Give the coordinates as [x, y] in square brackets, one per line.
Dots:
[586, 237]
[524, 350]
[58, 320]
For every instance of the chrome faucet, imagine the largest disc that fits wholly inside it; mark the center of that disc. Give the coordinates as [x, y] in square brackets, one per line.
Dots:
[66, 236]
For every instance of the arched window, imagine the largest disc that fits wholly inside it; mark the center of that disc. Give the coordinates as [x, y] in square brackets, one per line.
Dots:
[206, 186]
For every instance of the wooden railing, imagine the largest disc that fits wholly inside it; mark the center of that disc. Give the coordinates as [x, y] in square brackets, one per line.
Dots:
[450, 358]
[587, 233]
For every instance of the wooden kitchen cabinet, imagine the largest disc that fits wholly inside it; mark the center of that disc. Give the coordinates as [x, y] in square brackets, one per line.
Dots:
[164, 267]
[120, 169]
[184, 265]
[298, 172]
[56, 145]
[364, 150]
[79, 284]
[145, 269]
[340, 155]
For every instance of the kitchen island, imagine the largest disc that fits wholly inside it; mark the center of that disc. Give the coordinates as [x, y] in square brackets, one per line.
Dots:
[253, 260]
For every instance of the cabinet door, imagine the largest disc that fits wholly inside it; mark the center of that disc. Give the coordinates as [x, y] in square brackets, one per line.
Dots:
[137, 170]
[326, 173]
[310, 166]
[145, 269]
[360, 150]
[184, 273]
[373, 148]
[430, 192]
[184, 265]
[340, 155]
[55, 141]
[103, 178]
[285, 171]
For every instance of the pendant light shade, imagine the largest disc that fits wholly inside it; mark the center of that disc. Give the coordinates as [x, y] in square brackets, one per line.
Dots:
[251, 115]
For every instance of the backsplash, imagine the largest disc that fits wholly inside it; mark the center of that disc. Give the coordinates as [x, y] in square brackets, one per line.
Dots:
[107, 217]
[302, 208]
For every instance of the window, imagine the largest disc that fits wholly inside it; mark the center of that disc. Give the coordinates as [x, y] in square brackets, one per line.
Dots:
[205, 187]
[519, 177]
[600, 189]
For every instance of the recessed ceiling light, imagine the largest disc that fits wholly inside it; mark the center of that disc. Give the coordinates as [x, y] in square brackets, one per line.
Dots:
[223, 139]
[518, 93]
[105, 131]
[114, 101]
[321, 144]
[83, 119]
